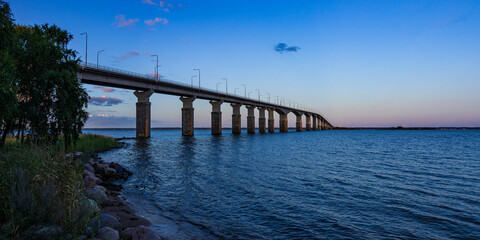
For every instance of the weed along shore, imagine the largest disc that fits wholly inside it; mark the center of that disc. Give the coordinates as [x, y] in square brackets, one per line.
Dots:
[46, 193]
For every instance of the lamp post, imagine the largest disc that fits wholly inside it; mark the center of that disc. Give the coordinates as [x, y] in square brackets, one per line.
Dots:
[156, 67]
[86, 46]
[235, 91]
[245, 85]
[217, 86]
[226, 85]
[98, 54]
[191, 80]
[196, 69]
[258, 90]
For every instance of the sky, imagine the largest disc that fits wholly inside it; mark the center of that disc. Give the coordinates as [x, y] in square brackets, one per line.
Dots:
[359, 63]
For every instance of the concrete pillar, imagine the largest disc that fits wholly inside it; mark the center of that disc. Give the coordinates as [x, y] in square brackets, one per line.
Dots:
[187, 116]
[319, 122]
[299, 123]
[283, 122]
[261, 120]
[216, 117]
[143, 114]
[323, 125]
[236, 118]
[271, 120]
[308, 122]
[251, 119]
[314, 118]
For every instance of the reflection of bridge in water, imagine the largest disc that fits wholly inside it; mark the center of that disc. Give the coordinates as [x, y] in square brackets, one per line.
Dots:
[145, 86]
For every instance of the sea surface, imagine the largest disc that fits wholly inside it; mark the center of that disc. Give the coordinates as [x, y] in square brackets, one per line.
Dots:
[359, 184]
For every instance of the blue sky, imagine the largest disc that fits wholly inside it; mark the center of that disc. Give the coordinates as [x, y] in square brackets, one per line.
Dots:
[360, 63]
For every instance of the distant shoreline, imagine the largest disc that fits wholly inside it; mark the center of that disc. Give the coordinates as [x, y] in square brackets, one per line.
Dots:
[337, 128]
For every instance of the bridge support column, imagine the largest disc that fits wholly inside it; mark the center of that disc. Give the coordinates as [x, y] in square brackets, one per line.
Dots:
[261, 120]
[299, 123]
[319, 124]
[216, 117]
[283, 122]
[251, 119]
[143, 110]
[314, 118]
[187, 116]
[309, 123]
[271, 120]
[322, 125]
[236, 118]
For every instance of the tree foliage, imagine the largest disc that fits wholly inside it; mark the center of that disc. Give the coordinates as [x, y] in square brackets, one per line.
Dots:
[48, 101]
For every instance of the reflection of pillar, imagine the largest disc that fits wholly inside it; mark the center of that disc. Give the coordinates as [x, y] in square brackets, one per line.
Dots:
[314, 119]
[187, 116]
[309, 123]
[236, 118]
[251, 119]
[299, 123]
[143, 113]
[283, 122]
[271, 120]
[261, 120]
[216, 117]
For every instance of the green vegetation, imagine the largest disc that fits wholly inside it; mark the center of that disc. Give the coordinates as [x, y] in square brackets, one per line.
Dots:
[40, 187]
[39, 91]
[95, 143]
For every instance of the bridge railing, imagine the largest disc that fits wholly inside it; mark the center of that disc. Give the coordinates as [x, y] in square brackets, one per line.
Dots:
[162, 79]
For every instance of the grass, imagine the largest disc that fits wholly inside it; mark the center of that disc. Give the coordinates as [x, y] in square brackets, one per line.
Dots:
[39, 186]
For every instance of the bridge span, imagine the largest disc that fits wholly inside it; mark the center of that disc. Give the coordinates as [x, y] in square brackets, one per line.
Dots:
[146, 85]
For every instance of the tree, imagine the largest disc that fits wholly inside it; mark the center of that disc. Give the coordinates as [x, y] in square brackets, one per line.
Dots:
[7, 72]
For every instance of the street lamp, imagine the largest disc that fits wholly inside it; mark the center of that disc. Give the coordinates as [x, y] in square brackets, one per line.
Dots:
[98, 54]
[196, 69]
[217, 86]
[86, 46]
[226, 85]
[258, 90]
[191, 80]
[245, 85]
[235, 91]
[156, 67]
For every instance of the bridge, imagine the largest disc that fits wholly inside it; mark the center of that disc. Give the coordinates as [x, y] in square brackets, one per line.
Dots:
[145, 85]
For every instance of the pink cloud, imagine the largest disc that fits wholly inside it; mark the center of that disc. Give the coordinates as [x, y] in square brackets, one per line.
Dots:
[162, 3]
[130, 54]
[152, 22]
[105, 89]
[121, 21]
[149, 2]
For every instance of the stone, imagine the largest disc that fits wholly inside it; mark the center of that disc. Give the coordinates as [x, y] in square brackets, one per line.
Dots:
[107, 233]
[91, 162]
[110, 172]
[101, 188]
[127, 233]
[81, 237]
[88, 232]
[49, 232]
[144, 233]
[98, 195]
[104, 220]
[99, 167]
[89, 181]
[89, 168]
[92, 205]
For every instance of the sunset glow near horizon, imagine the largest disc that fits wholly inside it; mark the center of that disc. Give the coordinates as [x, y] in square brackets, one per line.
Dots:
[360, 63]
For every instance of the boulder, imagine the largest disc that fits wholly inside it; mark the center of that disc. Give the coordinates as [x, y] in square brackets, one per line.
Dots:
[89, 168]
[127, 233]
[96, 194]
[107, 233]
[89, 181]
[101, 188]
[48, 232]
[99, 167]
[92, 205]
[104, 220]
[144, 233]
[110, 172]
[91, 162]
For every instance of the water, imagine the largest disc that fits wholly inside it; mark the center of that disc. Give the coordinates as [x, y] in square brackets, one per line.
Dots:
[363, 184]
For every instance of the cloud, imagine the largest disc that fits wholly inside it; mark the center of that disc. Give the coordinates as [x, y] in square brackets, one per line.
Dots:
[104, 101]
[130, 54]
[121, 21]
[149, 2]
[105, 89]
[282, 47]
[152, 22]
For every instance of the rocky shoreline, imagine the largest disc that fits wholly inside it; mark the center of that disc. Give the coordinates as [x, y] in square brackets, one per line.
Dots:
[116, 219]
